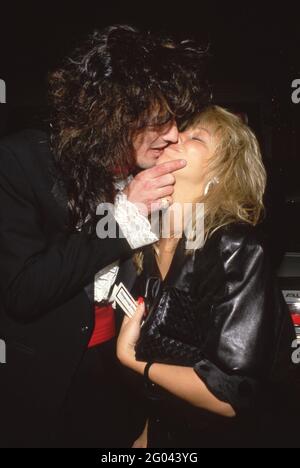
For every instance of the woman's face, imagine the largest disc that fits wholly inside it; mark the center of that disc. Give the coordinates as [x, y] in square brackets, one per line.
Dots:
[197, 146]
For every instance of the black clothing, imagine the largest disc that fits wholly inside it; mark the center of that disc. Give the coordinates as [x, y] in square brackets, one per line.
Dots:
[46, 316]
[221, 303]
[98, 411]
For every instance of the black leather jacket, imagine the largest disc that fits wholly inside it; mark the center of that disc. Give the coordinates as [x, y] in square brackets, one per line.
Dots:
[220, 311]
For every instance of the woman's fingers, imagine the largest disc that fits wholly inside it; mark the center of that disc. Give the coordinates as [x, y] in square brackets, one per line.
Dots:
[138, 315]
[126, 319]
[140, 310]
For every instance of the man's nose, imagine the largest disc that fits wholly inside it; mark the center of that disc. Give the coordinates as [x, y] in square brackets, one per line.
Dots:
[181, 138]
[171, 136]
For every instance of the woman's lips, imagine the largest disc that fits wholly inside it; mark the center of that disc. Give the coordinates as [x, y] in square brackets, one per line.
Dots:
[163, 159]
[167, 154]
[176, 148]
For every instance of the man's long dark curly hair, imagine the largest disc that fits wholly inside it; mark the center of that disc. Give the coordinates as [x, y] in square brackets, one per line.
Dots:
[119, 81]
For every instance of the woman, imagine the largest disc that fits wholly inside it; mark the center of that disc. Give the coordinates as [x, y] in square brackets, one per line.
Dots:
[219, 337]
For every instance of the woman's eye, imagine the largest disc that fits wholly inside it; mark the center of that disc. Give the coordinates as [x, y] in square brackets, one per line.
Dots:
[197, 139]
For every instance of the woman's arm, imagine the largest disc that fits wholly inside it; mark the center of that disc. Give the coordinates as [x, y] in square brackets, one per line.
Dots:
[250, 334]
[182, 382]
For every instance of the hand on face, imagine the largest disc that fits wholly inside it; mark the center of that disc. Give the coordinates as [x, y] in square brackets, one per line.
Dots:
[179, 173]
[150, 187]
[196, 145]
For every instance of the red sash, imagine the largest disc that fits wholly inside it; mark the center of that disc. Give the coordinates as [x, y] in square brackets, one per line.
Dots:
[105, 328]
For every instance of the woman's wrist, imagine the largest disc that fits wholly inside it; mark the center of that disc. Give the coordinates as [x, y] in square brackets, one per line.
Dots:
[128, 359]
[139, 367]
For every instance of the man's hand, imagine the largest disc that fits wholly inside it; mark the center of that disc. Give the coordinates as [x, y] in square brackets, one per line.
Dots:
[152, 186]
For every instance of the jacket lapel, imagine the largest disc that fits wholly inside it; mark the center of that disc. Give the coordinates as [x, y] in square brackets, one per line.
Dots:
[127, 274]
[181, 269]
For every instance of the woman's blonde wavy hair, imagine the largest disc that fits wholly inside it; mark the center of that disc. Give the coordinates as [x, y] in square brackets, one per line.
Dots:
[236, 177]
[237, 170]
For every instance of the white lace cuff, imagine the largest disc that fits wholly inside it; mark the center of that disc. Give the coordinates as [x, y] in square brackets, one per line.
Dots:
[135, 226]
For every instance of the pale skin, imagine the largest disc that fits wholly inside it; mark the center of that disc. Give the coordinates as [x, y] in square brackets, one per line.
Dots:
[197, 146]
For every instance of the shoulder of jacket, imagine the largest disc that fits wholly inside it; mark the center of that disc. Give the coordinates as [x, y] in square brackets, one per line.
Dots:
[236, 236]
[241, 232]
[26, 141]
[28, 150]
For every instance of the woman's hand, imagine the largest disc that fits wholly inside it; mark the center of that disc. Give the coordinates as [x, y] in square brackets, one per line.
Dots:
[128, 337]
[142, 440]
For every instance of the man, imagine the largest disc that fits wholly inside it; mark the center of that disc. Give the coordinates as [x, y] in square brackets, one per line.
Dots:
[116, 105]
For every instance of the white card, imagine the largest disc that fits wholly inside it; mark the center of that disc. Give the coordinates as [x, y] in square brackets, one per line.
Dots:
[124, 299]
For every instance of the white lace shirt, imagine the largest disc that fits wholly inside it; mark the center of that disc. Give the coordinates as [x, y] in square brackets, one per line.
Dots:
[137, 231]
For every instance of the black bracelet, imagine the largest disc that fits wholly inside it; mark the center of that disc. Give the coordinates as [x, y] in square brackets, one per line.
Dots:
[148, 384]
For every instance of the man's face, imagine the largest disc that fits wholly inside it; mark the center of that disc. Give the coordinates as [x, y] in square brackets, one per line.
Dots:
[150, 144]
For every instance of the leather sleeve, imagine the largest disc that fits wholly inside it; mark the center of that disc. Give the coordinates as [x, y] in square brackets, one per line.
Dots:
[240, 344]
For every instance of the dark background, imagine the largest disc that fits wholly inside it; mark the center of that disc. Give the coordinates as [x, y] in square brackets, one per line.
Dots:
[255, 51]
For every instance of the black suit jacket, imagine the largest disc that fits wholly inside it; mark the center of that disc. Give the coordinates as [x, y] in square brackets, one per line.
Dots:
[46, 316]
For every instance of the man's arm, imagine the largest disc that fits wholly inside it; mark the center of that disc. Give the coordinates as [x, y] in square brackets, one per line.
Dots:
[35, 275]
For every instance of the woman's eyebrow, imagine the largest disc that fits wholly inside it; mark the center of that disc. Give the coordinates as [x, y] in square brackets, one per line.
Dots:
[205, 130]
